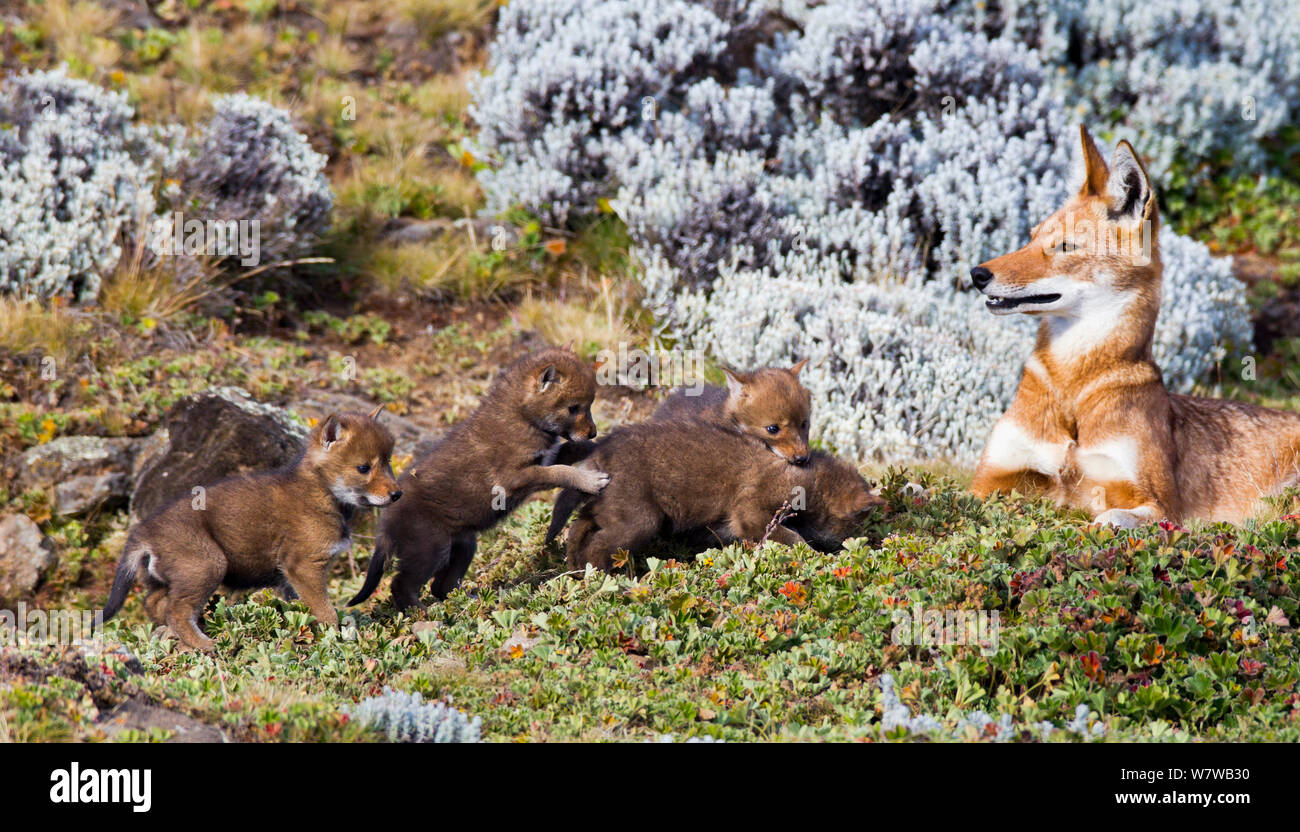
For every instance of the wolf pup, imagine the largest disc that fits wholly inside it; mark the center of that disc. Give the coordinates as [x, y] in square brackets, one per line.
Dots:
[768, 405]
[482, 469]
[1092, 425]
[271, 528]
[677, 476]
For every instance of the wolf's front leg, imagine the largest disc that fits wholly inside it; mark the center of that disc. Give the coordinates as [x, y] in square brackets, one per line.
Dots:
[308, 576]
[1121, 487]
[534, 477]
[1020, 458]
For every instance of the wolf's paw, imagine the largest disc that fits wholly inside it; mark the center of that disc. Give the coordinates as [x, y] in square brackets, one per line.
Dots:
[592, 482]
[1125, 518]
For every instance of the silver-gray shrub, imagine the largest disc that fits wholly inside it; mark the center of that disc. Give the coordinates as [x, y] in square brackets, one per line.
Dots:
[406, 717]
[82, 181]
[77, 175]
[959, 725]
[1182, 78]
[819, 183]
[252, 164]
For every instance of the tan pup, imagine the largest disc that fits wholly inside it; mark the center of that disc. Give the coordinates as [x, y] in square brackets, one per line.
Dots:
[769, 405]
[270, 528]
[1092, 424]
[482, 469]
[678, 476]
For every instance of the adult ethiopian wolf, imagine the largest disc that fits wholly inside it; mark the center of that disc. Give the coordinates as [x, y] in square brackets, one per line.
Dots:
[1092, 424]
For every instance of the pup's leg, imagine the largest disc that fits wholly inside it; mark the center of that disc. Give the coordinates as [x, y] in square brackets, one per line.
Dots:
[190, 585]
[580, 532]
[155, 604]
[308, 577]
[750, 524]
[462, 552]
[418, 559]
[630, 531]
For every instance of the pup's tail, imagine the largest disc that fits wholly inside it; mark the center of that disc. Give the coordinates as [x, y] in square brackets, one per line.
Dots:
[127, 568]
[374, 573]
[566, 503]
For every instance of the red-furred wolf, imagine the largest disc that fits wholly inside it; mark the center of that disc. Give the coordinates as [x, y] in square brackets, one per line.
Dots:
[1092, 425]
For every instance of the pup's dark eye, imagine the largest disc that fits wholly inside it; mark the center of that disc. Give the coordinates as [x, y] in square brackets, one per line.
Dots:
[365, 469]
[575, 409]
[805, 424]
[774, 429]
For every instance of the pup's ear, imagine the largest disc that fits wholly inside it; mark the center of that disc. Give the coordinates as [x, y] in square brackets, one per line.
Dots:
[798, 368]
[568, 347]
[1091, 166]
[1128, 189]
[330, 431]
[545, 378]
[735, 381]
[374, 414]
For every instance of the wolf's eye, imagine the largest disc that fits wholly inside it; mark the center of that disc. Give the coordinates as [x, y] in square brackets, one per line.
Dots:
[364, 469]
[575, 409]
[774, 429]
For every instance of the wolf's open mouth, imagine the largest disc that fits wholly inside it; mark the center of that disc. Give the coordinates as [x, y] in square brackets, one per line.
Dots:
[1002, 304]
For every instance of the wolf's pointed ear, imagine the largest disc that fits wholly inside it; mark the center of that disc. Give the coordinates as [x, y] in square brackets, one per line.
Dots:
[374, 414]
[545, 377]
[798, 367]
[330, 431]
[735, 381]
[1128, 188]
[1094, 165]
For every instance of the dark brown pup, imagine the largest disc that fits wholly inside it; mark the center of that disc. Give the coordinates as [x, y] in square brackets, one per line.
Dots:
[271, 528]
[677, 476]
[769, 405]
[482, 469]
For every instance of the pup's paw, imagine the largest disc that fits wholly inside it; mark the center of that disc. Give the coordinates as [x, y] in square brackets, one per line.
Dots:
[591, 481]
[1124, 518]
[201, 644]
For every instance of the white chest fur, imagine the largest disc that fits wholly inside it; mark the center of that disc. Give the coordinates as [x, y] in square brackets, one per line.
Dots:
[1012, 448]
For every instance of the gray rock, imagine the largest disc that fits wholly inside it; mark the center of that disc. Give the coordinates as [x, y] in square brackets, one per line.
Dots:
[86, 493]
[137, 713]
[25, 555]
[484, 229]
[68, 457]
[211, 436]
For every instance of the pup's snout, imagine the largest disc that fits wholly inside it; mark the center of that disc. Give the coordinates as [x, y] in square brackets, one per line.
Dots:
[981, 277]
[801, 459]
[394, 496]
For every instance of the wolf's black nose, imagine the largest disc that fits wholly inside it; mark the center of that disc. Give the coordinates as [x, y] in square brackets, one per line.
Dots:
[981, 277]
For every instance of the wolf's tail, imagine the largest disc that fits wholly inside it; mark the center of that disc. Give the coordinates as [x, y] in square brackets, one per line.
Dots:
[566, 503]
[127, 568]
[374, 572]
